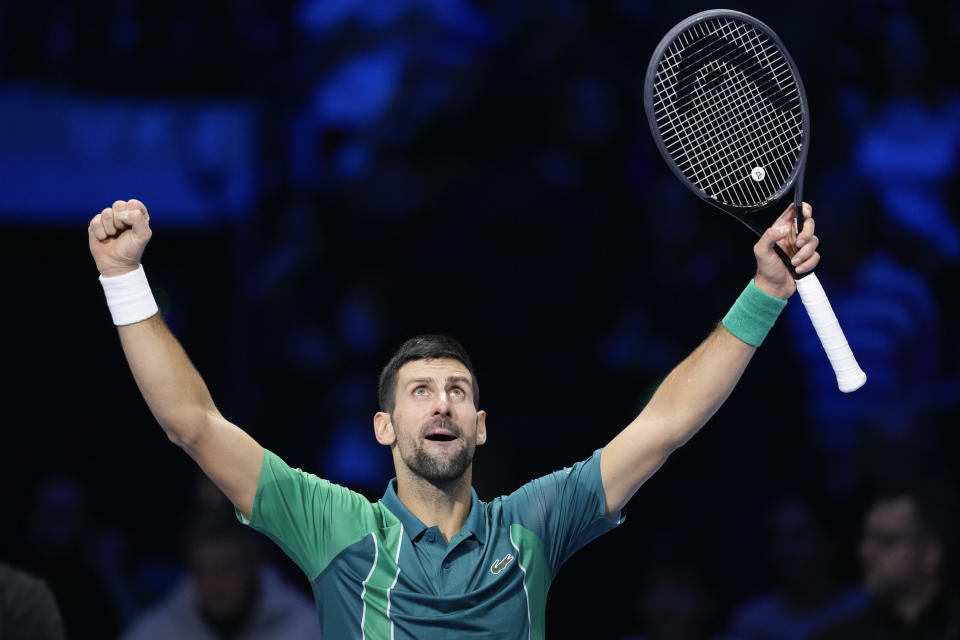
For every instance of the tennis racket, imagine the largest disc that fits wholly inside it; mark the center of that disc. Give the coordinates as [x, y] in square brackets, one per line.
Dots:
[729, 114]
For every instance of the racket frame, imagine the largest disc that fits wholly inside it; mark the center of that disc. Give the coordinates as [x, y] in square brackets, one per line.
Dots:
[794, 180]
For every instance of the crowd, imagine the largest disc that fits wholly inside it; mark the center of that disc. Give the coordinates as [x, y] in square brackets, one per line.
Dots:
[506, 142]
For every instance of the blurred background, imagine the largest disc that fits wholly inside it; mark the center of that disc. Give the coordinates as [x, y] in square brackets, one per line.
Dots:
[327, 178]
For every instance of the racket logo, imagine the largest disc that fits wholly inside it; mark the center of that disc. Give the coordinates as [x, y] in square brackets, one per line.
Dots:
[758, 174]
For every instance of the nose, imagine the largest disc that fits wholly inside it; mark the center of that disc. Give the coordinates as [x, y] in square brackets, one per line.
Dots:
[442, 408]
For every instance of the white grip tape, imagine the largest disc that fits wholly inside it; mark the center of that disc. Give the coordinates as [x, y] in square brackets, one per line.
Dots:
[850, 376]
[129, 297]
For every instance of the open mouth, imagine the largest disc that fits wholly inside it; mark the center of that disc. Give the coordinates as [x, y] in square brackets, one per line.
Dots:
[441, 437]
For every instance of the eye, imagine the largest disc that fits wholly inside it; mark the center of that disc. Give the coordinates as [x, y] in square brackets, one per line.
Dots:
[456, 392]
[420, 392]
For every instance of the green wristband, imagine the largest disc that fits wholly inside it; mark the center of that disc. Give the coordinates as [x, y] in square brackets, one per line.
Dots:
[752, 316]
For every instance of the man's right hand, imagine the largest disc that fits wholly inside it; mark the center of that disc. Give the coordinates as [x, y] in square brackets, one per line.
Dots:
[117, 237]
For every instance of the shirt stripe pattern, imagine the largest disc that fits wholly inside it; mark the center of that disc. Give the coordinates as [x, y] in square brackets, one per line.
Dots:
[395, 579]
[375, 622]
[536, 581]
[525, 591]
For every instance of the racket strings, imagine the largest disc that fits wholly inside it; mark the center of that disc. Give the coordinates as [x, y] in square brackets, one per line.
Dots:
[714, 126]
[773, 115]
[726, 102]
[747, 139]
[752, 139]
[706, 45]
[734, 59]
[708, 146]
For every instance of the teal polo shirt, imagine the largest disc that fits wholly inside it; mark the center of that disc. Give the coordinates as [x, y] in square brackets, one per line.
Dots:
[377, 572]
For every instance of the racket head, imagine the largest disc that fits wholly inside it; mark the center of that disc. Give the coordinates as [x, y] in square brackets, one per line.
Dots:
[723, 98]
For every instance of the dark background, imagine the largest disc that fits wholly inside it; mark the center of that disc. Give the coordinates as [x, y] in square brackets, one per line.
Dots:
[327, 179]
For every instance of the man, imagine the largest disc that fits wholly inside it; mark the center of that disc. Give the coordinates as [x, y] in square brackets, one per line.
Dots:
[430, 560]
[903, 552]
[228, 592]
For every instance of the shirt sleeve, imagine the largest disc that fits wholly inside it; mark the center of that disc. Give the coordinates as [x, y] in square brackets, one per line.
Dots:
[565, 509]
[310, 519]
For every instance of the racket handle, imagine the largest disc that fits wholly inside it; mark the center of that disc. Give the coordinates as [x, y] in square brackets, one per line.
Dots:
[850, 376]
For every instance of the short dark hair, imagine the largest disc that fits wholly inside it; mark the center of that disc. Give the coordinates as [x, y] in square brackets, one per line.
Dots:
[424, 347]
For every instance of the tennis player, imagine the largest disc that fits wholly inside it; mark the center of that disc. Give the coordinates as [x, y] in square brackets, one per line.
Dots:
[430, 559]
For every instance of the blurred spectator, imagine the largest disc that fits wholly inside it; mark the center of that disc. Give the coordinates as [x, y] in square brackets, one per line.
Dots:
[903, 551]
[674, 604]
[808, 596]
[28, 610]
[75, 556]
[894, 321]
[229, 593]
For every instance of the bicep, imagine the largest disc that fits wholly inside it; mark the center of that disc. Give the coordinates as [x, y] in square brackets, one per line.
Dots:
[630, 459]
[231, 458]
[686, 399]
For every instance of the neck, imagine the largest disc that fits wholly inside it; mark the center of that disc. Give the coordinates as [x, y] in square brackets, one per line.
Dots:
[910, 607]
[444, 506]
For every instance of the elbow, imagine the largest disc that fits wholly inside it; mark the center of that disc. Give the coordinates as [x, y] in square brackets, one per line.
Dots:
[187, 431]
[683, 425]
[667, 442]
[681, 438]
[182, 439]
[677, 442]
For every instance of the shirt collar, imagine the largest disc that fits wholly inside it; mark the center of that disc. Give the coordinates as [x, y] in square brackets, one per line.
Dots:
[475, 525]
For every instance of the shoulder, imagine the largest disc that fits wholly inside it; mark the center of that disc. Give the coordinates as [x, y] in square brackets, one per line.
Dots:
[278, 476]
[582, 475]
[571, 493]
[16, 583]
[168, 618]
[23, 594]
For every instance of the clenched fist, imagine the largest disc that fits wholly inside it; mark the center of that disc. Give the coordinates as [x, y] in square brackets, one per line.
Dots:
[117, 237]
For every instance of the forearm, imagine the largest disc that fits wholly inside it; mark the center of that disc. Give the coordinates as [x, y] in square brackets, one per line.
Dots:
[688, 396]
[170, 384]
[682, 404]
[695, 389]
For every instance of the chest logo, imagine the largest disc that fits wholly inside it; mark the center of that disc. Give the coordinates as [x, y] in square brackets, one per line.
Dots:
[500, 565]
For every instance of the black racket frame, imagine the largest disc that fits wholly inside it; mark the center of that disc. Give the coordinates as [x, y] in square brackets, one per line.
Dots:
[795, 180]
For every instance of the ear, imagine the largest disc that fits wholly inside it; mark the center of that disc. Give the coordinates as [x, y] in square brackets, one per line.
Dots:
[383, 428]
[481, 427]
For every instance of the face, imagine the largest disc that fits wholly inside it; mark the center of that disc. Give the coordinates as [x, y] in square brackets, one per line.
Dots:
[897, 556]
[434, 427]
[798, 547]
[225, 578]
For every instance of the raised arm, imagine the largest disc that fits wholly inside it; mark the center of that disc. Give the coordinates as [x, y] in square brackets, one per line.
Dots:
[174, 391]
[696, 388]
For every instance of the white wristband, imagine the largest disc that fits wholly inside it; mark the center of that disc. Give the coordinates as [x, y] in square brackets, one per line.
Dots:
[129, 297]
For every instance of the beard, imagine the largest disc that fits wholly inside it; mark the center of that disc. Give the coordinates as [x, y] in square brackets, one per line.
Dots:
[438, 468]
